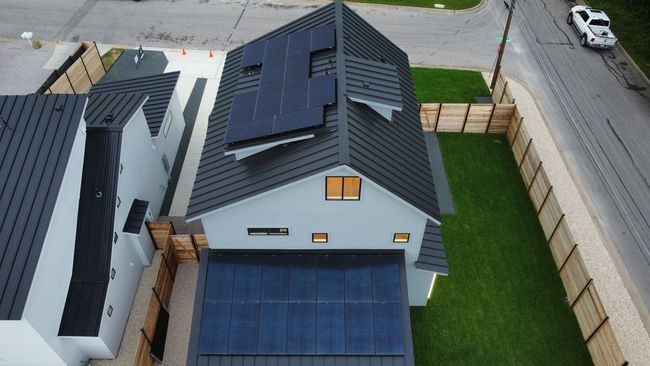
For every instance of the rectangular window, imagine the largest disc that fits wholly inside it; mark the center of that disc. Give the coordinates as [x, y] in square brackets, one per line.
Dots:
[343, 188]
[119, 201]
[113, 273]
[401, 237]
[114, 237]
[319, 238]
[255, 231]
[110, 311]
[168, 123]
[165, 162]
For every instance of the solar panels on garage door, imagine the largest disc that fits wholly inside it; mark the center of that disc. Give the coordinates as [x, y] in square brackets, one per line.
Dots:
[310, 304]
[287, 99]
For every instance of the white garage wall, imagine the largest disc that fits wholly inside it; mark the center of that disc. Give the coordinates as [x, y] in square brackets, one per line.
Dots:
[301, 207]
[168, 145]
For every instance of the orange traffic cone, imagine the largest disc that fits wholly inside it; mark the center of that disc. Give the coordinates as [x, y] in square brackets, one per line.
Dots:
[183, 52]
[211, 55]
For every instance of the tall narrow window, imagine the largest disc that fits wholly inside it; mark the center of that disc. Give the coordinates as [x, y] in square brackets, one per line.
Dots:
[267, 231]
[401, 237]
[109, 311]
[167, 124]
[343, 188]
[319, 238]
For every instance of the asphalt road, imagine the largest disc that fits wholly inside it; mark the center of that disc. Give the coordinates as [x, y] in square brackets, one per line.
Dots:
[598, 105]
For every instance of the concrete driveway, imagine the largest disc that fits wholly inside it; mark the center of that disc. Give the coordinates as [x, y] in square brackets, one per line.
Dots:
[598, 105]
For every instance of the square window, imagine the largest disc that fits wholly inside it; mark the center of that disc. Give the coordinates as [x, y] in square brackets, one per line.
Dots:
[351, 188]
[319, 237]
[401, 237]
[334, 188]
[109, 311]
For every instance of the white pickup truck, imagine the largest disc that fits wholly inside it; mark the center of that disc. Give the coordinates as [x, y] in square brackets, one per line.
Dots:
[592, 25]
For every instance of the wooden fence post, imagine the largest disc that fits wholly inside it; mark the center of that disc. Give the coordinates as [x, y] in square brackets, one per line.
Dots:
[503, 93]
[521, 122]
[494, 106]
[168, 268]
[548, 193]
[146, 338]
[435, 127]
[70, 82]
[532, 181]
[196, 249]
[555, 229]
[523, 157]
[100, 56]
[596, 331]
[86, 69]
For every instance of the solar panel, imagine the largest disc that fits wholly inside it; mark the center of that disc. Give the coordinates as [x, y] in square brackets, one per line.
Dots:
[359, 328]
[299, 42]
[253, 54]
[322, 38]
[322, 90]
[244, 325]
[240, 110]
[276, 48]
[298, 120]
[272, 338]
[389, 337]
[297, 67]
[268, 101]
[301, 305]
[294, 96]
[272, 72]
[250, 130]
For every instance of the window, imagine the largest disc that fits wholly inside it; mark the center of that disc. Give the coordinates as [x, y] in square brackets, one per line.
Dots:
[583, 14]
[255, 231]
[165, 162]
[113, 273]
[319, 238]
[121, 168]
[119, 201]
[168, 123]
[114, 237]
[343, 188]
[109, 311]
[401, 237]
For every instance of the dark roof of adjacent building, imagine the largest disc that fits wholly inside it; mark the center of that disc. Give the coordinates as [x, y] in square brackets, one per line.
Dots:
[95, 234]
[37, 133]
[432, 252]
[159, 88]
[136, 216]
[301, 308]
[392, 153]
[109, 110]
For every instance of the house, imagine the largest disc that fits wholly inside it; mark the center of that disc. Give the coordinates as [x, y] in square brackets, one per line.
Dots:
[317, 199]
[162, 110]
[80, 176]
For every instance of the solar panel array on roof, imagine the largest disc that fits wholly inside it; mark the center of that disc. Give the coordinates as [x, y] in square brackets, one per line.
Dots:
[287, 98]
[302, 304]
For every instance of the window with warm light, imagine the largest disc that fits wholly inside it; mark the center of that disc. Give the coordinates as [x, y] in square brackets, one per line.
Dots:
[343, 188]
[319, 238]
[401, 237]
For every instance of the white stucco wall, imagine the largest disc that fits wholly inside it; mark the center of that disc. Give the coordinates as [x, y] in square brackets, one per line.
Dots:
[34, 340]
[365, 224]
[143, 177]
[168, 145]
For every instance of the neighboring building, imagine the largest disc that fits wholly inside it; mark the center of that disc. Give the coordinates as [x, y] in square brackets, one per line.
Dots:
[314, 186]
[162, 110]
[79, 178]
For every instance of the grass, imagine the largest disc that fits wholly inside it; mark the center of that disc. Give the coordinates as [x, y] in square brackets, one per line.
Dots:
[449, 4]
[503, 303]
[448, 86]
[111, 56]
[630, 24]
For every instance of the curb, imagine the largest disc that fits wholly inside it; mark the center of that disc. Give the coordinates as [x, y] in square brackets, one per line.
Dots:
[473, 9]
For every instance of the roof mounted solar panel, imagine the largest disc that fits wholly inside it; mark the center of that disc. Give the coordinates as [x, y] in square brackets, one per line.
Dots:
[240, 110]
[253, 54]
[276, 48]
[272, 72]
[268, 101]
[323, 37]
[295, 96]
[299, 43]
[249, 130]
[322, 90]
[297, 67]
[298, 120]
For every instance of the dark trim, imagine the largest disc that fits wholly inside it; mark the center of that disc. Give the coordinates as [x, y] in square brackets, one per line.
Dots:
[409, 357]
[341, 87]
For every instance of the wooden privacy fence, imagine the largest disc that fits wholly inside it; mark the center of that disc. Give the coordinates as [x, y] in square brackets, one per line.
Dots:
[78, 74]
[581, 292]
[175, 249]
[501, 93]
[466, 117]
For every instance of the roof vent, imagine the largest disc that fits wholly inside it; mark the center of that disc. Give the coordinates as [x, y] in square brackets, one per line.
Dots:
[60, 108]
[108, 119]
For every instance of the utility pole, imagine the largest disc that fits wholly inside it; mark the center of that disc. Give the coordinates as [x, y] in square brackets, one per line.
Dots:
[502, 46]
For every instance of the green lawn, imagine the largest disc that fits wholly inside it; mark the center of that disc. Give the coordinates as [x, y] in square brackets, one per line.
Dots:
[448, 86]
[111, 56]
[630, 24]
[449, 4]
[503, 303]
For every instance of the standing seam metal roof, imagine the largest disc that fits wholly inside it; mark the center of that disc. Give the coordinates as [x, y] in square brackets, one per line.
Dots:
[159, 89]
[432, 255]
[392, 154]
[36, 138]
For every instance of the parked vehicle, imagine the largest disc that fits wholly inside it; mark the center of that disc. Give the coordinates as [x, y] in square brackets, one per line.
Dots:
[592, 25]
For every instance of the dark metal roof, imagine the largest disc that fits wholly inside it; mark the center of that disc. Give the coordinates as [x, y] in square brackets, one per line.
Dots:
[36, 138]
[108, 110]
[385, 270]
[392, 154]
[373, 81]
[432, 252]
[159, 89]
[136, 216]
[95, 234]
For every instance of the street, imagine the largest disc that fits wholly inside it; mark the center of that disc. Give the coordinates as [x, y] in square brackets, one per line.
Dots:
[597, 104]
